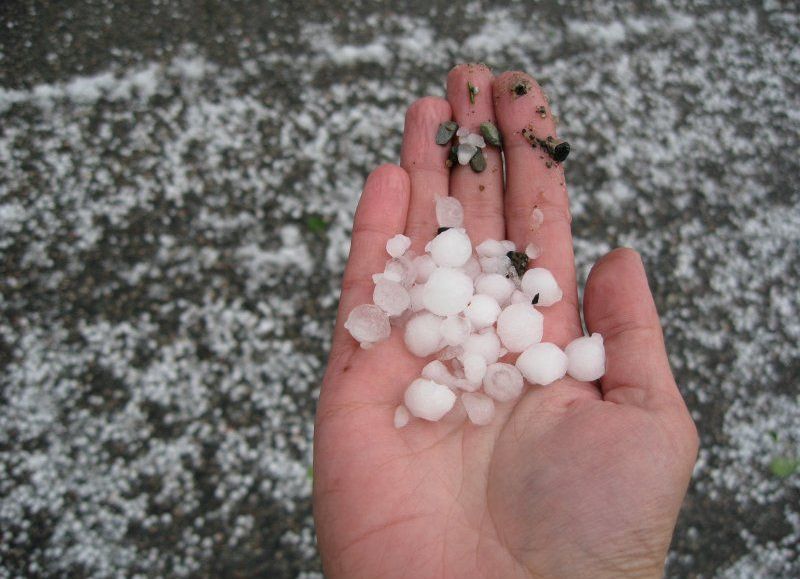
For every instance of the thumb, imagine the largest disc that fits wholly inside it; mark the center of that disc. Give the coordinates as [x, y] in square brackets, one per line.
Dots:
[618, 304]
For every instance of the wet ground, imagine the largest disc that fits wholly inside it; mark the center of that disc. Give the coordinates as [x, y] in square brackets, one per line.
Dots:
[177, 183]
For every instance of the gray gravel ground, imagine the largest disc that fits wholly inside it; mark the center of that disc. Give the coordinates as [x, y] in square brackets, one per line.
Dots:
[177, 183]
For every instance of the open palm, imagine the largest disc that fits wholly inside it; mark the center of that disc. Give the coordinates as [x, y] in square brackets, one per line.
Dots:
[571, 480]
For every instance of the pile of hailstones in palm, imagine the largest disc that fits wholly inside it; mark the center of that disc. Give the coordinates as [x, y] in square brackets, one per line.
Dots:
[468, 310]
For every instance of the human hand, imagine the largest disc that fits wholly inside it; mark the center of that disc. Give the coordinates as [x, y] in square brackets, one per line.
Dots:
[570, 480]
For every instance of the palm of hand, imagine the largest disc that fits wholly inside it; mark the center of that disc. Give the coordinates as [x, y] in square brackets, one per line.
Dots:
[569, 480]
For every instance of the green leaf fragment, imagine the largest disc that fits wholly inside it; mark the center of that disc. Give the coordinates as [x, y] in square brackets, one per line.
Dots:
[316, 224]
[446, 132]
[473, 90]
[310, 473]
[478, 162]
[783, 467]
[490, 134]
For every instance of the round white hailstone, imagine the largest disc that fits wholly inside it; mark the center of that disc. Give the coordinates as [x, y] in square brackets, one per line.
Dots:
[520, 326]
[517, 297]
[491, 248]
[508, 245]
[401, 270]
[539, 281]
[455, 330]
[368, 324]
[391, 276]
[435, 370]
[503, 382]
[465, 152]
[537, 218]
[496, 286]
[472, 268]
[482, 311]
[449, 212]
[480, 408]
[398, 245]
[428, 400]
[391, 297]
[543, 363]
[401, 416]
[533, 251]
[424, 266]
[451, 248]
[422, 335]
[486, 344]
[473, 139]
[587, 358]
[474, 368]
[451, 352]
[447, 291]
[416, 293]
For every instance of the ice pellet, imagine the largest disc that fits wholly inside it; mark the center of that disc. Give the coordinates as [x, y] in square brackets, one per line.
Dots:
[486, 344]
[422, 335]
[428, 400]
[435, 370]
[391, 297]
[423, 266]
[473, 139]
[401, 416]
[491, 248]
[465, 152]
[400, 269]
[495, 285]
[537, 218]
[479, 407]
[449, 212]
[398, 245]
[482, 311]
[451, 248]
[503, 382]
[447, 291]
[455, 330]
[520, 326]
[543, 363]
[540, 282]
[508, 245]
[533, 251]
[587, 358]
[474, 368]
[368, 324]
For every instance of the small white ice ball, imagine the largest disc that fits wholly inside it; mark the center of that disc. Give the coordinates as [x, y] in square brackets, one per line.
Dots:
[449, 212]
[479, 407]
[455, 330]
[451, 248]
[368, 324]
[424, 266]
[587, 358]
[491, 248]
[428, 400]
[398, 245]
[391, 297]
[401, 416]
[422, 335]
[482, 311]
[474, 368]
[486, 344]
[520, 326]
[543, 363]
[495, 285]
[503, 382]
[533, 251]
[517, 297]
[436, 370]
[447, 291]
[508, 245]
[540, 281]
